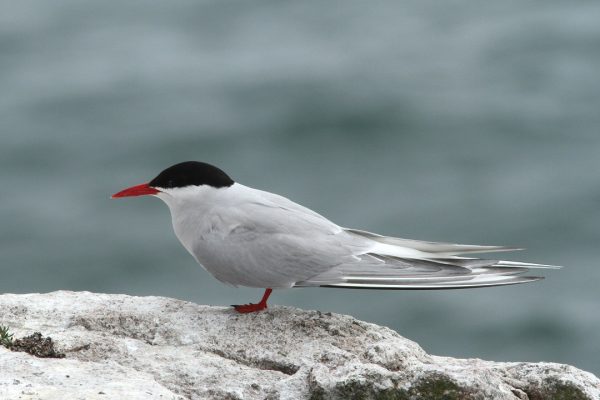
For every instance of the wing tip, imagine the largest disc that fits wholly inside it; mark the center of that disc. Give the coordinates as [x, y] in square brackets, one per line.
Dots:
[519, 264]
[455, 285]
[491, 249]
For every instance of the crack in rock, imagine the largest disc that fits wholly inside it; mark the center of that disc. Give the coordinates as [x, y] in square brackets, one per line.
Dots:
[263, 364]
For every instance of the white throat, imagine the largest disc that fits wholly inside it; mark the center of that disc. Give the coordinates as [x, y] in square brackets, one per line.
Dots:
[192, 211]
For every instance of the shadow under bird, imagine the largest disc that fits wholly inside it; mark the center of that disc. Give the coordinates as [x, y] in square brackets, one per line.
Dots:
[249, 237]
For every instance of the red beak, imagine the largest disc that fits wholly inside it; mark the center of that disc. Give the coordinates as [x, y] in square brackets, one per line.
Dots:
[137, 190]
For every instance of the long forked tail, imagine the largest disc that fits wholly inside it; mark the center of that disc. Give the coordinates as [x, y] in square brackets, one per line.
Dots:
[410, 264]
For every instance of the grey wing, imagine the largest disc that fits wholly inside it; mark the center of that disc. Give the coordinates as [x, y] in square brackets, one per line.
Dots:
[271, 244]
[286, 245]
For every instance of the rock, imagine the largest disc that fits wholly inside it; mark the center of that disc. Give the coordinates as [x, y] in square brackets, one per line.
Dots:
[123, 347]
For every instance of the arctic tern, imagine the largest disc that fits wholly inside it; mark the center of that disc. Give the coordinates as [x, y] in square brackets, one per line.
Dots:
[249, 237]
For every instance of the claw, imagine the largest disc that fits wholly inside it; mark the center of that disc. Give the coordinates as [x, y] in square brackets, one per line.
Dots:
[248, 308]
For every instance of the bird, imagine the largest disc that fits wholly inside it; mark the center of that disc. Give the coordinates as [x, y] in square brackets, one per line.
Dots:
[249, 237]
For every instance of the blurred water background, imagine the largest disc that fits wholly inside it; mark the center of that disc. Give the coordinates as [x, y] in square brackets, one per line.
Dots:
[452, 121]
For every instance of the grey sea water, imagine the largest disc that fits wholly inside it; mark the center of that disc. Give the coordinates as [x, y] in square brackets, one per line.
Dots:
[452, 121]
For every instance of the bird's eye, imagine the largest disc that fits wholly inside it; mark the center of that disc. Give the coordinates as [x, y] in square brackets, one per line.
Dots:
[170, 183]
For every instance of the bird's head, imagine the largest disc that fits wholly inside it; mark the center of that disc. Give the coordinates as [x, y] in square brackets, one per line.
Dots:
[179, 180]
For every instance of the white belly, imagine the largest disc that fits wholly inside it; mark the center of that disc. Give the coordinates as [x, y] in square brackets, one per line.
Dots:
[238, 258]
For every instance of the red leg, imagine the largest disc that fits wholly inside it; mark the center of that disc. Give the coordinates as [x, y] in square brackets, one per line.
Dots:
[248, 308]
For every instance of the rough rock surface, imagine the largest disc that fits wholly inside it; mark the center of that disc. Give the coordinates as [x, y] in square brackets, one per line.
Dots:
[123, 347]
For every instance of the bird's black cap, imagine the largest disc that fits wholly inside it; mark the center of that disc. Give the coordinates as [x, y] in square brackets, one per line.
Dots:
[191, 173]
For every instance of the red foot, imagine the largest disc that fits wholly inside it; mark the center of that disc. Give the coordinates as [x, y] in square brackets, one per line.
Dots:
[248, 308]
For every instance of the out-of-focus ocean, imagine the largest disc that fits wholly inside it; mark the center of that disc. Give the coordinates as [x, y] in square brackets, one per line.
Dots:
[457, 121]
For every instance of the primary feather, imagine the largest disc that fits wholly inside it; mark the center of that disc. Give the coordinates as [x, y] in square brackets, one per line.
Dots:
[396, 263]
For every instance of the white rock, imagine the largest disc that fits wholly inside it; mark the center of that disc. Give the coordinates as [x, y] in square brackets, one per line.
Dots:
[123, 347]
